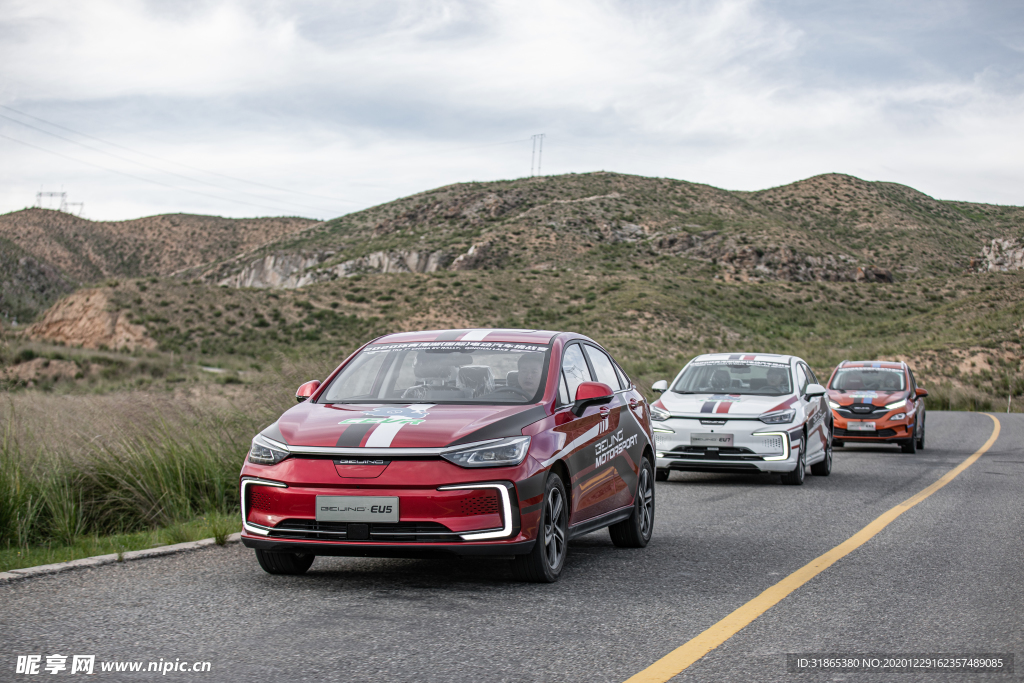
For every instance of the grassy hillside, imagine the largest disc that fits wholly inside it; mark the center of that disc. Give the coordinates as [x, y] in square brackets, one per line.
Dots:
[63, 248]
[820, 228]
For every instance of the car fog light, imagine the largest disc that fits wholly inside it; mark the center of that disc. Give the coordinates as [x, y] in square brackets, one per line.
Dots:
[898, 416]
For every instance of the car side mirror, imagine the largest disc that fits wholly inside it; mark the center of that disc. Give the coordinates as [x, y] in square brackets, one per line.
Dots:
[814, 390]
[921, 393]
[307, 390]
[660, 386]
[589, 394]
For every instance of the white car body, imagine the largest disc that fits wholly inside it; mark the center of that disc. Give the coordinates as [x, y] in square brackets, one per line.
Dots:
[725, 430]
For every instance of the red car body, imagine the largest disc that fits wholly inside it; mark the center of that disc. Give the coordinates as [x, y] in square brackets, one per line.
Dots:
[596, 444]
[877, 402]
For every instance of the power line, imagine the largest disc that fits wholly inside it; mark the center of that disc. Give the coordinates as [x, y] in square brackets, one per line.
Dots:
[135, 177]
[153, 168]
[169, 161]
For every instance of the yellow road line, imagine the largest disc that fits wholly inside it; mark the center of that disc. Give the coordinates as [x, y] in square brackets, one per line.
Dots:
[683, 656]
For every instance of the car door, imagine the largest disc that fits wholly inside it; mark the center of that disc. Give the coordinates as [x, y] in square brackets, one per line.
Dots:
[818, 426]
[617, 456]
[914, 403]
[810, 411]
[592, 488]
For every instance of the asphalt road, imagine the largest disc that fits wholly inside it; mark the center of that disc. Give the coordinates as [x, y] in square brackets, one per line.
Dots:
[945, 577]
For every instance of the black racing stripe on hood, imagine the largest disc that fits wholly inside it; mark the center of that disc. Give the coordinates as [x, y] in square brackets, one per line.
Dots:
[353, 435]
[510, 426]
[708, 407]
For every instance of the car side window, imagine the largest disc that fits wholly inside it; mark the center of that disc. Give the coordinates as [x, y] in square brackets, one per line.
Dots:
[913, 381]
[810, 375]
[603, 367]
[801, 379]
[563, 392]
[623, 380]
[575, 369]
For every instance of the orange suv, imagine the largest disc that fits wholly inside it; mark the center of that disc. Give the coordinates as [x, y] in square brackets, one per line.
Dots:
[877, 402]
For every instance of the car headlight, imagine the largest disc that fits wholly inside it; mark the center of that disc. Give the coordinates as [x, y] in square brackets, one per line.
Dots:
[898, 416]
[265, 452]
[778, 417]
[833, 405]
[659, 414]
[501, 453]
[897, 404]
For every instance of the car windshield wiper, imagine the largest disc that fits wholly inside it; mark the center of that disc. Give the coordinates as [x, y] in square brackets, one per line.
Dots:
[675, 391]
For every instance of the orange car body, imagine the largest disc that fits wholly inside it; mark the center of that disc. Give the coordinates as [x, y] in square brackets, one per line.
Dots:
[877, 401]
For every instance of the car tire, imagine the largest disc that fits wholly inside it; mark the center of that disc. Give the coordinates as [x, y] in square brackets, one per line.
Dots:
[661, 474]
[910, 445]
[920, 440]
[544, 563]
[284, 563]
[796, 477]
[636, 530]
[824, 467]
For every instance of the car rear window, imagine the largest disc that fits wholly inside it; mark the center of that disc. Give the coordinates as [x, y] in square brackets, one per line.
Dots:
[735, 377]
[442, 372]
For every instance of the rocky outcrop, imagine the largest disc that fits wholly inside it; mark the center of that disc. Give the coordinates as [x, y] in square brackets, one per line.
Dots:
[744, 262]
[276, 271]
[84, 319]
[1000, 255]
[290, 271]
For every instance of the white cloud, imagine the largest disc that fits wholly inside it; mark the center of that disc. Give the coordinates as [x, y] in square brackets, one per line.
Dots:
[370, 101]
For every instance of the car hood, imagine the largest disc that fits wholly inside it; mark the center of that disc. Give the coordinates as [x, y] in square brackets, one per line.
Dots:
[735, 405]
[398, 426]
[878, 398]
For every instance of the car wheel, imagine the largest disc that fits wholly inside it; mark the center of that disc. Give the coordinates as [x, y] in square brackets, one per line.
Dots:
[635, 532]
[544, 563]
[284, 563]
[910, 445]
[661, 474]
[796, 477]
[824, 468]
[920, 439]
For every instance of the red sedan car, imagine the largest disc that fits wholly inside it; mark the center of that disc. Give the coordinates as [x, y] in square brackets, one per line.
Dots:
[464, 442]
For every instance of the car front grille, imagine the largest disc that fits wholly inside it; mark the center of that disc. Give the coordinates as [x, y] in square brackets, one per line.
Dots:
[402, 532]
[882, 433]
[873, 412]
[702, 453]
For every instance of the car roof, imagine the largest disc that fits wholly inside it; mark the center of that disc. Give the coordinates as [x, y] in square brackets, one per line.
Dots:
[763, 357]
[471, 335]
[890, 364]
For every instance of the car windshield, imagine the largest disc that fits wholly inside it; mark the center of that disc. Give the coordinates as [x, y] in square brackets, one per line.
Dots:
[869, 379]
[442, 372]
[732, 377]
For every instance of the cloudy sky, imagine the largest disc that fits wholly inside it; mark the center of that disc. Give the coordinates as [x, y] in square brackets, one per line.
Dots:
[321, 107]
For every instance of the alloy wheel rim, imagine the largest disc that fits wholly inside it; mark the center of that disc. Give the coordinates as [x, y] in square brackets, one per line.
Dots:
[646, 503]
[554, 529]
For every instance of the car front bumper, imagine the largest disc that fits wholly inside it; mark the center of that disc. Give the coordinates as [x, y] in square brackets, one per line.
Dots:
[439, 512]
[886, 430]
[757, 447]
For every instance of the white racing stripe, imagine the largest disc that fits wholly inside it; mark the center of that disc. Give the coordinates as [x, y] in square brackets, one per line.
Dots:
[476, 335]
[384, 434]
